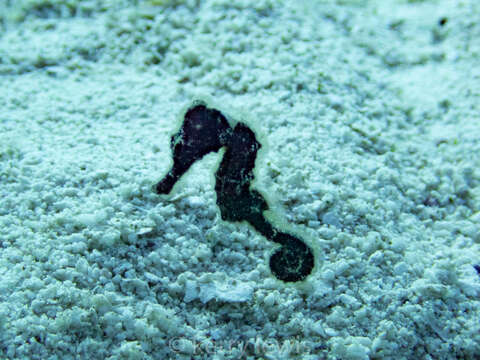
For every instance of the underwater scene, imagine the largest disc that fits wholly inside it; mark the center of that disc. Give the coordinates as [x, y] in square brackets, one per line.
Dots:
[239, 179]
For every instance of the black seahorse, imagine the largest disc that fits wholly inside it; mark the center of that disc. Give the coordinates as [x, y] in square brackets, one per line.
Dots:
[205, 130]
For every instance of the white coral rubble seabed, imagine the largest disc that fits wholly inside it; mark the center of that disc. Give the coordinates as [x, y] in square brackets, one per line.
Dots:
[369, 112]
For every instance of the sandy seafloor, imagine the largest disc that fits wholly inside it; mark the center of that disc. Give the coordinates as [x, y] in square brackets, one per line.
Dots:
[369, 112]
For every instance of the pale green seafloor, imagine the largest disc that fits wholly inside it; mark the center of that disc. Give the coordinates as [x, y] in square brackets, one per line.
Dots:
[371, 114]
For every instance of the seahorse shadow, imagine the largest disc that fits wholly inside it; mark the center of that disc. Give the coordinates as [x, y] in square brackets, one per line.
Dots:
[206, 130]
